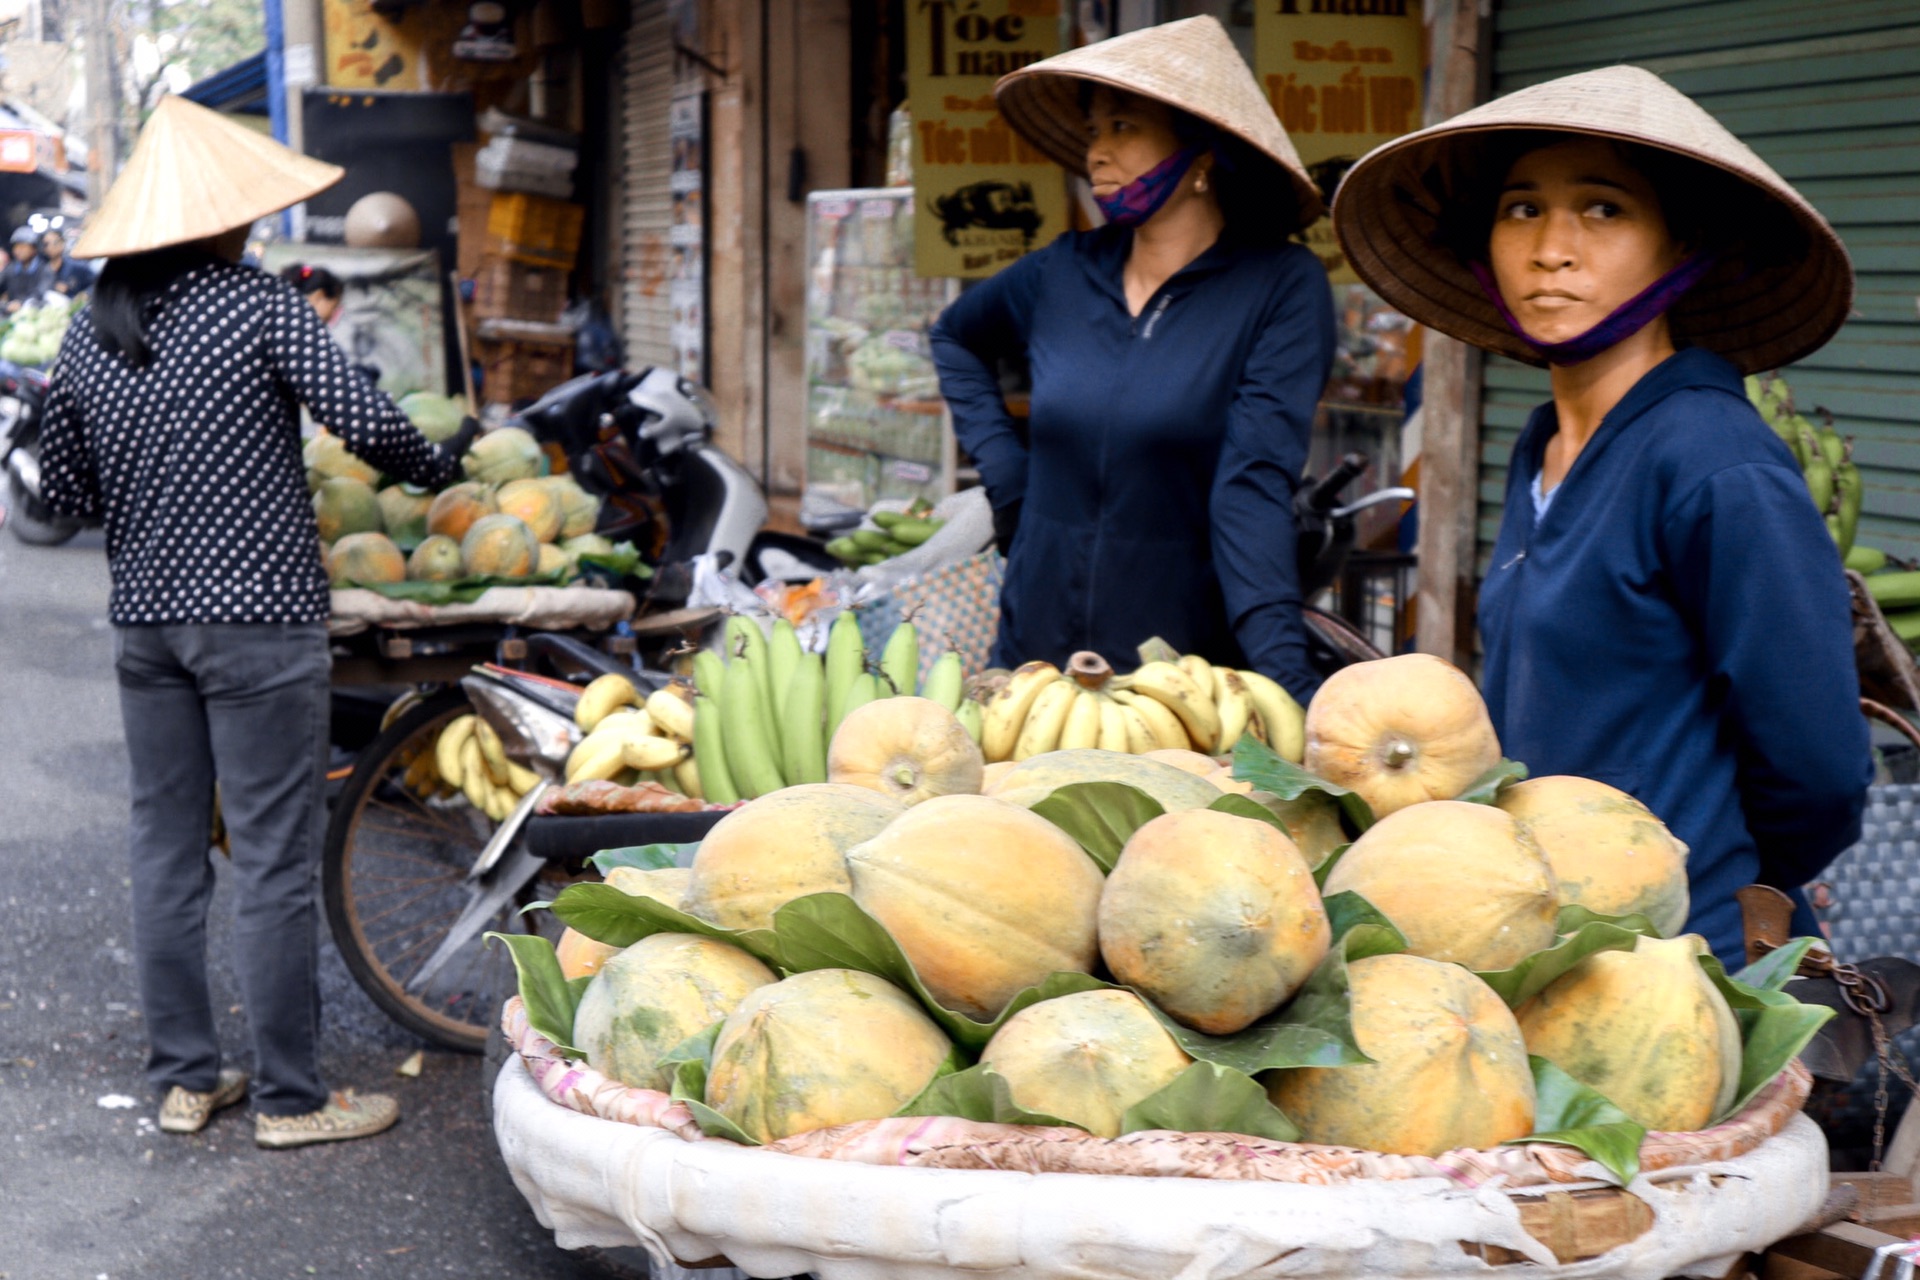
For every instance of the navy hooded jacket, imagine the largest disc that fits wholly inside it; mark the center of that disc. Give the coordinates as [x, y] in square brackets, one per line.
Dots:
[1162, 450]
[1676, 625]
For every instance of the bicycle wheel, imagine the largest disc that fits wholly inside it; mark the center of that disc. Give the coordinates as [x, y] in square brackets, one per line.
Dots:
[395, 869]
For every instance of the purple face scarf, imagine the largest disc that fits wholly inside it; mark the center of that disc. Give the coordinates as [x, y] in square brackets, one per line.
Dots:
[1628, 318]
[1140, 199]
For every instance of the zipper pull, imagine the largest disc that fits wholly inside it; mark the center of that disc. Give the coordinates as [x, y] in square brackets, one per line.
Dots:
[1517, 558]
[1153, 318]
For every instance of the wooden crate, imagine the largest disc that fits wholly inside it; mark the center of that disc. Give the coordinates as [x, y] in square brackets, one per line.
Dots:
[507, 289]
[473, 209]
[518, 371]
[537, 230]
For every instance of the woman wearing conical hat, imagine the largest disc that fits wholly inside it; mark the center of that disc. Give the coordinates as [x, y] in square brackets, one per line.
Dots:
[1177, 354]
[173, 417]
[1664, 610]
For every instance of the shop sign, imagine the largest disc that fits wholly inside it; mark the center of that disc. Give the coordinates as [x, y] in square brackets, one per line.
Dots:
[1344, 77]
[982, 196]
[19, 151]
[686, 238]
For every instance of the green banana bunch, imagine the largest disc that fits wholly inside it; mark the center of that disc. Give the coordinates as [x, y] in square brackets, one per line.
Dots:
[747, 730]
[783, 655]
[709, 748]
[1848, 496]
[946, 682]
[1819, 477]
[898, 532]
[846, 659]
[900, 661]
[803, 742]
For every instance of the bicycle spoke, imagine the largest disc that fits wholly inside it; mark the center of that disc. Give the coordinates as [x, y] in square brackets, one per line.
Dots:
[440, 866]
[401, 906]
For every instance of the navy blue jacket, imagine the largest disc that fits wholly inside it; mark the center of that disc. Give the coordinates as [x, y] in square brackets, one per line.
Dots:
[1677, 626]
[1162, 451]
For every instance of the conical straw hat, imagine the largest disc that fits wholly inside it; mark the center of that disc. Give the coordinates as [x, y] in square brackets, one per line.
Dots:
[1190, 64]
[193, 175]
[1784, 284]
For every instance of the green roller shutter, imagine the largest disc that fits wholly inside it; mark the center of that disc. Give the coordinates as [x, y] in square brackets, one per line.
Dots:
[1829, 95]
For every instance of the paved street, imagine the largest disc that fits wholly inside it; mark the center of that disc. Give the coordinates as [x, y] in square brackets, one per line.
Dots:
[90, 1192]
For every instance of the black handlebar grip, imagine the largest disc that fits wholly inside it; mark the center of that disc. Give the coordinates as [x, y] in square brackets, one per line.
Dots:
[1325, 494]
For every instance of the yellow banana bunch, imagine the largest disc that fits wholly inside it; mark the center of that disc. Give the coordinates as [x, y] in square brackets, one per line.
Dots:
[470, 759]
[1283, 720]
[1235, 704]
[622, 741]
[1176, 689]
[1006, 715]
[1046, 720]
[603, 696]
[1173, 701]
[1081, 729]
[671, 710]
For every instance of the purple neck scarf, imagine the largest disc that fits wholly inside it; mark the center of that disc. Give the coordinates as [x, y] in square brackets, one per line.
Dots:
[1140, 199]
[1628, 318]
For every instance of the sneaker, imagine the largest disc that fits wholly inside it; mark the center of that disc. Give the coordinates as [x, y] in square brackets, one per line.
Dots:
[346, 1116]
[185, 1111]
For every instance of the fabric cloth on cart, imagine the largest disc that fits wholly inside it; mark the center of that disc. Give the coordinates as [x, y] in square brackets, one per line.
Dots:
[656, 1181]
[947, 1143]
[355, 609]
[956, 606]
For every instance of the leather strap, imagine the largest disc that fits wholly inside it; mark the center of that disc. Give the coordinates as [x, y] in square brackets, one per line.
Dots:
[1768, 916]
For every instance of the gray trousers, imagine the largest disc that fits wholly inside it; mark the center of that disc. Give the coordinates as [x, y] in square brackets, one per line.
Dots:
[247, 704]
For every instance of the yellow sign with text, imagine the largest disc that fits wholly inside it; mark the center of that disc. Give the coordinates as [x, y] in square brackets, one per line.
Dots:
[982, 196]
[1344, 76]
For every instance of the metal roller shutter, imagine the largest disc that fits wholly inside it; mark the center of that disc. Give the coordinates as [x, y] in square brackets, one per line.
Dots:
[1829, 95]
[646, 313]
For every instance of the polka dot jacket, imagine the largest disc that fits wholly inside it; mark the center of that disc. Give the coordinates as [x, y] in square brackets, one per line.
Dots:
[194, 462]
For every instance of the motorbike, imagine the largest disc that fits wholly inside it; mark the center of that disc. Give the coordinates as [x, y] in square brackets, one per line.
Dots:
[23, 398]
[1325, 531]
[643, 442]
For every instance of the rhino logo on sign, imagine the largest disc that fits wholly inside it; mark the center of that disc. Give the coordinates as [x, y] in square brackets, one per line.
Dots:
[989, 206]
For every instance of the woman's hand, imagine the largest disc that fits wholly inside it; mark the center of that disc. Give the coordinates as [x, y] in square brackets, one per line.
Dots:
[1006, 522]
[462, 440]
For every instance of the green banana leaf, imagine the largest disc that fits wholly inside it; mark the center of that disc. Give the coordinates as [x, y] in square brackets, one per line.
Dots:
[1254, 761]
[1486, 788]
[1774, 1028]
[1570, 1114]
[1332, 860]
[550, 997]
[1582, 934]
[697, 1047]
[622, 562]
[1247, 807]
[1102, 816]
[690, 1088]
[459, 591]
[977, 1093]
[646, 857]
[618, 919]
[1774, 970]
[1315, 1028]
[1210, 1098]
[830, 931]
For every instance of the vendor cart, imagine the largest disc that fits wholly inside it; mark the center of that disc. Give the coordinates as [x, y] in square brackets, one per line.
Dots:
[414, 878]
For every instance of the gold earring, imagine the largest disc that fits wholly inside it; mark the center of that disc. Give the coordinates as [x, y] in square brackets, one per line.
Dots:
[1200, 183]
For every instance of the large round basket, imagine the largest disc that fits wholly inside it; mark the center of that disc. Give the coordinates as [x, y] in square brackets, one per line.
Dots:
[913, 1199]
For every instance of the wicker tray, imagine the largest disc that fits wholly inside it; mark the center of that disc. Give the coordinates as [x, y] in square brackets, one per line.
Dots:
[607, 1165]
